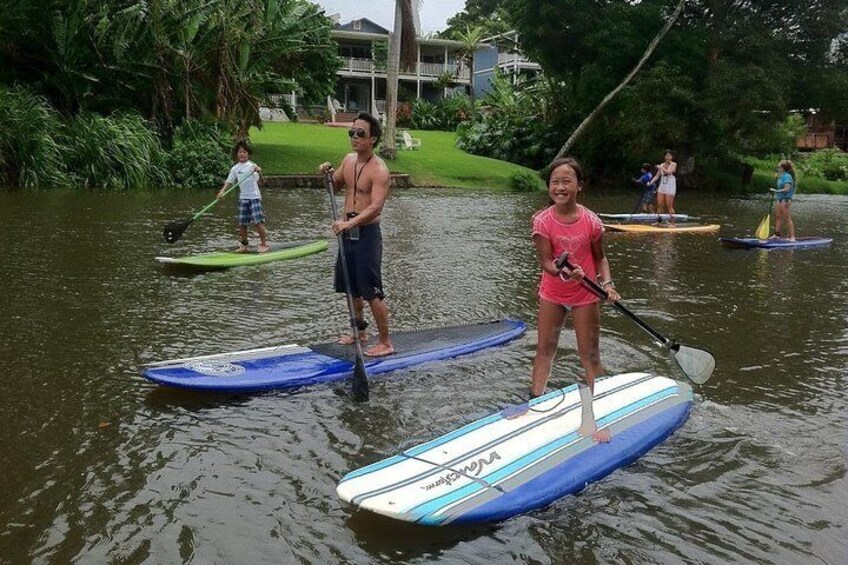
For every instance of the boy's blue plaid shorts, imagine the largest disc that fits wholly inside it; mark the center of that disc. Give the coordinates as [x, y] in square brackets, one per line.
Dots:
[250, 212]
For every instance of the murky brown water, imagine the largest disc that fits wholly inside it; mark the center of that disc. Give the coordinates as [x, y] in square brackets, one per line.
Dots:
[101, 466]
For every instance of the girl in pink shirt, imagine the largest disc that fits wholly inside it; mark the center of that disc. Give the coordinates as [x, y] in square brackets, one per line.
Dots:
[569, 226]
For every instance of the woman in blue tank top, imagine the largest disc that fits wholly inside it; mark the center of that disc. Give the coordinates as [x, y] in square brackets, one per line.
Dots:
[785, 191]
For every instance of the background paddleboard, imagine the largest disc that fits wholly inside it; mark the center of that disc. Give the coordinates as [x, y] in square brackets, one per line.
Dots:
[643, 228]
[500, 466]
[646, 217]
[775, 243]
[227, 259]
[289, 366]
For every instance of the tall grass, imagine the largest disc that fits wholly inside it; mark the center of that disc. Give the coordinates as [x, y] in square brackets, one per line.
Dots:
[30, 154]
[117, 152]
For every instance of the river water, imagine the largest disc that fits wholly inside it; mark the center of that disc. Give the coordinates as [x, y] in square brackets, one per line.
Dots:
[101, 466]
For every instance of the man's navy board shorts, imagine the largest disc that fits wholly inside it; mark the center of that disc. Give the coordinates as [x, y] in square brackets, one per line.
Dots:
[364, 263]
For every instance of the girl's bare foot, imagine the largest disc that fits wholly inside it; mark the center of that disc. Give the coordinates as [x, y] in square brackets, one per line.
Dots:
[263, 248]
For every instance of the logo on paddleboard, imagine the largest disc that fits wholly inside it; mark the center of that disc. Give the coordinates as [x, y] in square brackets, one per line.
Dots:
[215, 368]
[469, 471]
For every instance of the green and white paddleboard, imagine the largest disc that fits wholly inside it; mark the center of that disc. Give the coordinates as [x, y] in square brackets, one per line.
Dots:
[227, 259]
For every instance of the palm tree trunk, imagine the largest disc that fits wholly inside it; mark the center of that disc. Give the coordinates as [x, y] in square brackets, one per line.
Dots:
[645, 56]
[389, 149]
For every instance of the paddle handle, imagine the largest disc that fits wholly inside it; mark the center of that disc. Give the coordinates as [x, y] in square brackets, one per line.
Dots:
[563, 262]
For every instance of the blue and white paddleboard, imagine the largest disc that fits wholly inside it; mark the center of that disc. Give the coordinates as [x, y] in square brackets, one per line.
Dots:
[289, 366]
[647, 217]
[773, 243]
[513, 461]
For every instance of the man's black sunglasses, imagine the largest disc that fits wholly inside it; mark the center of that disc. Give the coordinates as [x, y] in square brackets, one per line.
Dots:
[358, 132]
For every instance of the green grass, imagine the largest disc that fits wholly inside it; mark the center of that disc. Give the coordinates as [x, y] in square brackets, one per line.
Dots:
[290, 148]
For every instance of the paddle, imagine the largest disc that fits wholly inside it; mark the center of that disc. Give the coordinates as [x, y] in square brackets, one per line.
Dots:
[360, 377]
[696, 364]
[763, 229]
[175, 230]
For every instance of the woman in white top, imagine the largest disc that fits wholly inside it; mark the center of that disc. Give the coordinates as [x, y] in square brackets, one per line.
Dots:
[666, 185]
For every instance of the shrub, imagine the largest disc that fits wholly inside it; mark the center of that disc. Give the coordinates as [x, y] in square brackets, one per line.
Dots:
[200, 155]
[30, 141]
[829, 164]
[525, 181]
[119, 151]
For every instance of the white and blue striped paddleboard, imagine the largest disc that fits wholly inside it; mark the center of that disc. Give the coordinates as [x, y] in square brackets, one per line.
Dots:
[500, 466]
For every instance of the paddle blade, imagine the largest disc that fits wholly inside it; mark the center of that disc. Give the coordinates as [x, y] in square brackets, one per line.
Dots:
[175, 230]
[697, 364]
[360, 380]
[763, 229]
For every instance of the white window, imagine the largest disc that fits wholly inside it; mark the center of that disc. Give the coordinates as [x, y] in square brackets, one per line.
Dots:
[357, 25]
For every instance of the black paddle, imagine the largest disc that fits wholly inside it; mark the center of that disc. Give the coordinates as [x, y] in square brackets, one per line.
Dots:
[360, 377]
[175, 230]
[696, 364]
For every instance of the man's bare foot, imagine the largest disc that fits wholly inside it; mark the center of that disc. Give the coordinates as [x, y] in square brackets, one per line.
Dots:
[348, 339]
[263, 248]
[380, 350]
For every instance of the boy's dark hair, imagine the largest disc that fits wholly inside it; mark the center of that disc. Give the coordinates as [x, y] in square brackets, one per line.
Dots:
[376, 130]
[647, 167]
[571, 162]
[242, 144]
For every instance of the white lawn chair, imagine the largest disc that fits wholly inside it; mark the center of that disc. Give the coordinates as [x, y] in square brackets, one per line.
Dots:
[410, 143]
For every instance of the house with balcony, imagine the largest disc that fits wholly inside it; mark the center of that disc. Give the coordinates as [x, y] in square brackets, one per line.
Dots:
[501, 53]
[361, 82]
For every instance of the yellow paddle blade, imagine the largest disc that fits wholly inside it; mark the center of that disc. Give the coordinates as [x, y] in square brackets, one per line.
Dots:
[763, 229]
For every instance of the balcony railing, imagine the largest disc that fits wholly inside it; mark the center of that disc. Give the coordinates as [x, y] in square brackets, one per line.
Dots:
[513, 58]
[429, 70]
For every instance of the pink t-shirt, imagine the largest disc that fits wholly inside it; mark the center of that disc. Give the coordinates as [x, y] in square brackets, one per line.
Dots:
[576, 238]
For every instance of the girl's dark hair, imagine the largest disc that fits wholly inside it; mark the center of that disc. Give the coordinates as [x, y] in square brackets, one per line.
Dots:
[242, 144]
[787, 166]
[376, 130]
[667, 152]
[571, 162]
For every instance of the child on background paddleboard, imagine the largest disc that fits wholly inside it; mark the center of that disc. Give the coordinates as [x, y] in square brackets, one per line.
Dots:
[567, 226]
[250, 200]
[785, 191]
[648, 189]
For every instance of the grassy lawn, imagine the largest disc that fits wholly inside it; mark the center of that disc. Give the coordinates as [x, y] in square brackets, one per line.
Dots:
[288, 148]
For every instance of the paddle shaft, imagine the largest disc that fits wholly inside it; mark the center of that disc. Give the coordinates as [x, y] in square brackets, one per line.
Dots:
[226, 192]
[594, 287]
[360, 377]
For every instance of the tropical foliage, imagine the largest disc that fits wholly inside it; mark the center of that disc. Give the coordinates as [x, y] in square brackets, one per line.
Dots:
[138, 69]
[720, 84]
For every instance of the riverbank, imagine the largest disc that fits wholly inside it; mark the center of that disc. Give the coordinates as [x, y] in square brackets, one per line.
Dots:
[296, 149]
[764, 171]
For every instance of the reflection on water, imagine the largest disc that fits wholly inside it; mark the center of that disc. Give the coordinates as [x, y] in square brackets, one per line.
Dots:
[758, 473]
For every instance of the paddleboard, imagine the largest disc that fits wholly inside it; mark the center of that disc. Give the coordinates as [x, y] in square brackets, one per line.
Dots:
[501, 466]
[646, 217]
[643, 228]
[227, 259]
[774, 243]
[289, 366]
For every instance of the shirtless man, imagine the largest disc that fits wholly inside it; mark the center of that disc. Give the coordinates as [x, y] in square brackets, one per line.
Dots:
[367, 179]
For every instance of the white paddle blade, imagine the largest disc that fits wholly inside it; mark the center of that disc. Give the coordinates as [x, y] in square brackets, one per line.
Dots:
[697, 364]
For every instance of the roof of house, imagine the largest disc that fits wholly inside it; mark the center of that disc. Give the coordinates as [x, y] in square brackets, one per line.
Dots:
[370, 30]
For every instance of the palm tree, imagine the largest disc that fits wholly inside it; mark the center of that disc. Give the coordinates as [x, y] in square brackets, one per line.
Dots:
[471, 39]
[402, 50]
